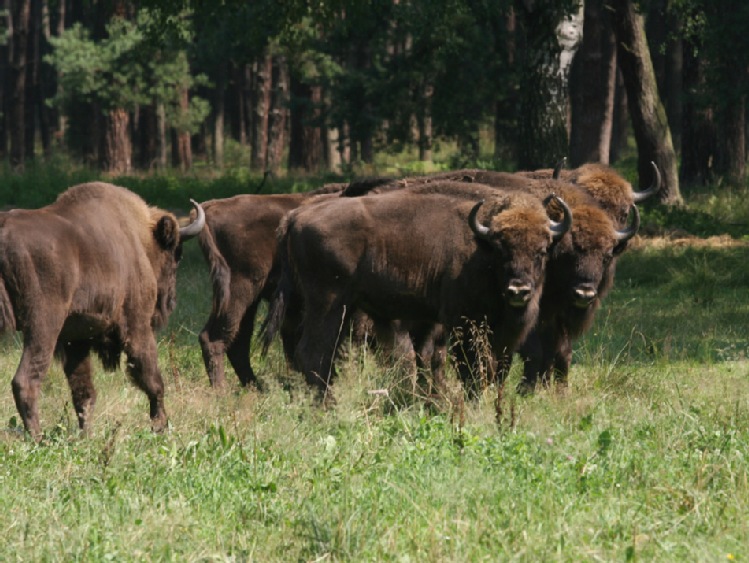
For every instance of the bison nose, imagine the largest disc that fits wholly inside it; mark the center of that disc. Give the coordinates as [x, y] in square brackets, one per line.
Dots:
[518, 293]
[584, 294]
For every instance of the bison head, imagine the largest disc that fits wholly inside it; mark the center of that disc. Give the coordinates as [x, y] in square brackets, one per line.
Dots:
[169, 237]
[579, 266]
[521, 235]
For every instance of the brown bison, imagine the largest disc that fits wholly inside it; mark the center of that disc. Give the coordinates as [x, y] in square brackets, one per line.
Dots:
[579, 272]
[414, 257]
[239, 244]
[94, 271]
[612, 192]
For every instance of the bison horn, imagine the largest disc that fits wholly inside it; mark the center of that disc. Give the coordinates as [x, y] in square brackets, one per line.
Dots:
[629, 232]
[194, 228]
[558, 228]
[653, 189]
[558, 169]
[482, 231]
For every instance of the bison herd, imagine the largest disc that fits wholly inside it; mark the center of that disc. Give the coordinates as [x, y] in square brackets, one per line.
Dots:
[419, 262]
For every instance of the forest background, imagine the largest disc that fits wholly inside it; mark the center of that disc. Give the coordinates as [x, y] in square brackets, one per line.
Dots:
[308, 87]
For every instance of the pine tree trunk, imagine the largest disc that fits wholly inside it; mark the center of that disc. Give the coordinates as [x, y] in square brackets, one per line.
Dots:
[732, 163]
[181, 148]
[218, 116]
[592, 88]
[649, 120]
[305, 139]
[163, 145]
[147, 137]
[425, 123]
[279, 98]
[620, 125]
[236, 92]
[116, 145]
[20, 13]
[261, 101]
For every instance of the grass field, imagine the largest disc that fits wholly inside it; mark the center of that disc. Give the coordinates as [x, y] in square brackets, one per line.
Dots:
[645, 456]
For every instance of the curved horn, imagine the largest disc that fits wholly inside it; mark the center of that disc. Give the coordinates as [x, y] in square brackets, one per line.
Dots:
[653, 189]
[194, 228]
[558, 229]
[482, 231]
[629, 232]
[558, 168]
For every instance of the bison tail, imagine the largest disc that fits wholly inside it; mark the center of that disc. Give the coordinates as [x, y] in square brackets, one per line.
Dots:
[220, 271]
[280, 302]
[7, 316]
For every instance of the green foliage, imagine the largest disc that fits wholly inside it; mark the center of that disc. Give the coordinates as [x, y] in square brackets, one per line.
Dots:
[125, 70]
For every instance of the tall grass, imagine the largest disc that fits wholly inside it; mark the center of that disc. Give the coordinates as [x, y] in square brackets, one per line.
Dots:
[644, 456]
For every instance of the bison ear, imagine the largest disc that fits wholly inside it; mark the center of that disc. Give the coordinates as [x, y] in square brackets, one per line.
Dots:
[166, 232]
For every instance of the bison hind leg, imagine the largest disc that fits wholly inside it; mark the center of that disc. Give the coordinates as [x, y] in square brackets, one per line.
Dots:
[76, 363]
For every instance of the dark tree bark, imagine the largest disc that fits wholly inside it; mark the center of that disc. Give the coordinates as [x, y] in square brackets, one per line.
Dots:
[592, 88]
[620, 124]
[662, 29]
[116, 145]
[181, 147]
[305, 136]
[147, 137]
[261, 101]
[424, 118]
[732, 141]
[648, 115]
[20, 14]
[236, 95]
[218, 115]
[551, 40]
[278, 110]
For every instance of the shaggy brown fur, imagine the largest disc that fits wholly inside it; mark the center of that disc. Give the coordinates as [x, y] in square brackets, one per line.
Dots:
[239, 244]
[583, 260]
[384, 255]
[94, 271]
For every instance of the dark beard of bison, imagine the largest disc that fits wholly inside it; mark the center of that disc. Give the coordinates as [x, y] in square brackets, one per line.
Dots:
[515, 324]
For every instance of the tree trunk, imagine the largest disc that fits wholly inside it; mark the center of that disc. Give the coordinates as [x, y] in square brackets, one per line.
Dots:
[549, 50]
[218, 116]
[649, 120]
[620, 125]
[699, 134]
[181, 148]
[592, 89]
[161, 128]
[279, 99]
[147, 136]
[20, 13]
[261, 101]
[116, 145]
[425, 123]
[732, 161]
[236, 91]
[305, 139]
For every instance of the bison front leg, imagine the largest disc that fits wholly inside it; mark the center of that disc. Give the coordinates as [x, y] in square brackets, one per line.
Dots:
[142, 366]
[35, 361]
[77, 368]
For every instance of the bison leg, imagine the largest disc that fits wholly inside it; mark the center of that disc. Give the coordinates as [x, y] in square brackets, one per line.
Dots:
[213, 348]
[321, 337]
[35, 361]
[239, 350]
[143, 368]
[77, 368]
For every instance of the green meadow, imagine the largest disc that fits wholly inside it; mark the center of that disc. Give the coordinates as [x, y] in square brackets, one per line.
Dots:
[645, 456]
